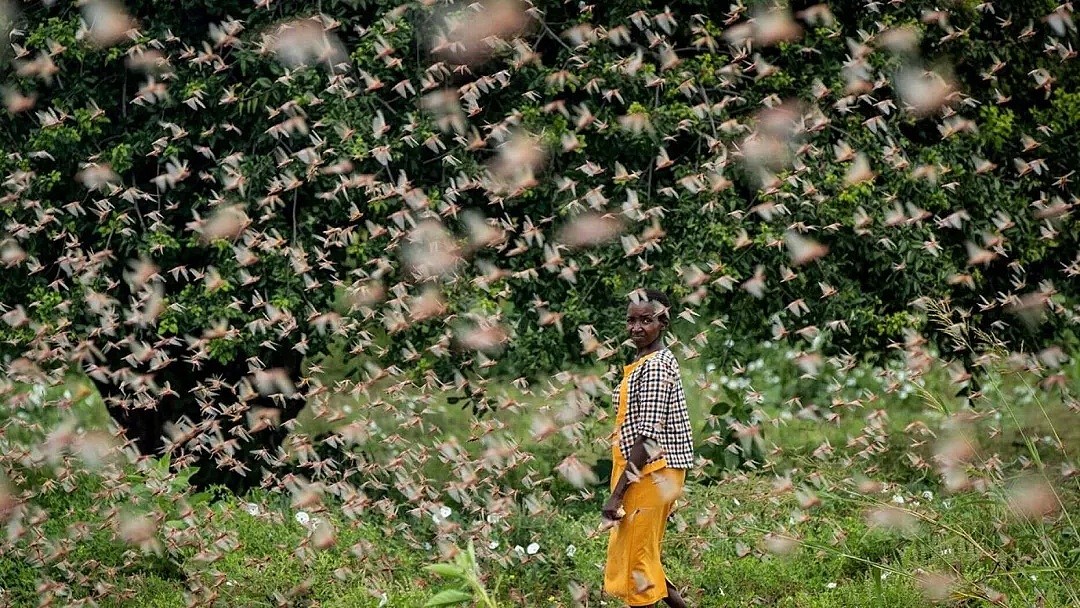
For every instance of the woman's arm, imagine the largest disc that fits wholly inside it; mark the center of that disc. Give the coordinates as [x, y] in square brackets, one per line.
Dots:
[639, 455]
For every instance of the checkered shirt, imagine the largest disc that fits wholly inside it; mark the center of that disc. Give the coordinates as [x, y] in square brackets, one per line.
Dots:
[656, 408]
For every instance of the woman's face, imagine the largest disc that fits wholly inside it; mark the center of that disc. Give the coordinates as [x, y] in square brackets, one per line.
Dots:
[644, 323]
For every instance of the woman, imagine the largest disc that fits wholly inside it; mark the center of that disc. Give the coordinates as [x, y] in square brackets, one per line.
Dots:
[651, 450]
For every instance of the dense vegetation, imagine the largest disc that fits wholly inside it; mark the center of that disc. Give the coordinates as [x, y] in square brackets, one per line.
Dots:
[215, 192]
[286, 242]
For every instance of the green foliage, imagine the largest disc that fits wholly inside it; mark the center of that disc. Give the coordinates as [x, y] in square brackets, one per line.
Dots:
[876, 273]
[465, 571]
[333, 203]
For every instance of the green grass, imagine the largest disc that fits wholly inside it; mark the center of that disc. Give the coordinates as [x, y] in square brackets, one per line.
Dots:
[263, 565]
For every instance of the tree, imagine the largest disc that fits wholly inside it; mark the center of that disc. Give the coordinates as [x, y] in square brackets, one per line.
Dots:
[195, 204]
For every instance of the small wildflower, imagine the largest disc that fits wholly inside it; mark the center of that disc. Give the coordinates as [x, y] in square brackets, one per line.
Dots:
[252, 508]
[928, 495]
[445, 511]
[303, 518]
[519, 550]
[493, 545]
[830, 585]
[898, 499]
[570, 550]
[533, 548]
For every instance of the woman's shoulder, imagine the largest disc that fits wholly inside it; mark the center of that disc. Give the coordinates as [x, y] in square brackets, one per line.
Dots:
[664, 359]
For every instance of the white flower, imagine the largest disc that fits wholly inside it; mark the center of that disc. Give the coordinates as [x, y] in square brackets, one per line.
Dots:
[303, 518]
[251, 508]
[383, 599]
[533, 548]
[427, 546]
[445, 511]
[493, 518]
[928, 495]
[519, 550]
[830, 585]
[898, 499]
[493, 544]
[885, 574]
[570, 550]
[710, 367]
[736, 501]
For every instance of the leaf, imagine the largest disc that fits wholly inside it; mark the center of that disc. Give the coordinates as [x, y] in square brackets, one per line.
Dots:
[447, 597]
[446, 570]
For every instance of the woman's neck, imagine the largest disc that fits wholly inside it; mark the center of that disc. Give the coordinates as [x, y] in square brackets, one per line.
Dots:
[652, 348]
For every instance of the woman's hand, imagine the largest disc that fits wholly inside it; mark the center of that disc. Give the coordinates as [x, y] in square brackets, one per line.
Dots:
[612, 509]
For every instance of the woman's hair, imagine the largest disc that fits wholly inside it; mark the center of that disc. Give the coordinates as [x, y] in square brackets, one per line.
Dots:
[654, 295]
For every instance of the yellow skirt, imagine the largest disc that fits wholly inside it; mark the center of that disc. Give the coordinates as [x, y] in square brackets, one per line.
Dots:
[633, 571]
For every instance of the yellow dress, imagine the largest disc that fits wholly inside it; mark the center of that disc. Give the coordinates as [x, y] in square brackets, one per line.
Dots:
[633, 571]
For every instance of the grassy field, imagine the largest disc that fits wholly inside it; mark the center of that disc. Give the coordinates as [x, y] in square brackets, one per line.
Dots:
[849, 508]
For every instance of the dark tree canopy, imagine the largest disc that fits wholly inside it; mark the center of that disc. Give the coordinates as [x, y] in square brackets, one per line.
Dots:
[194, 206]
